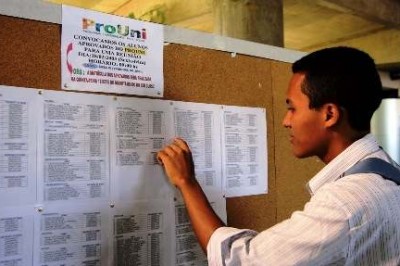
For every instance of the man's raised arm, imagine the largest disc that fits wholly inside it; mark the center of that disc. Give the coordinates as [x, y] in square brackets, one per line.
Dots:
[177, 161]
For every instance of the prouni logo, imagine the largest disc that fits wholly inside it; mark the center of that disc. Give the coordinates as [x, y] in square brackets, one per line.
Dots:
[116, 30]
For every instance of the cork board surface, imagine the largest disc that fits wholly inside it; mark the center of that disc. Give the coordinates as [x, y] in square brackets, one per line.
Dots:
[292, 174]
[30, 57]
[30, 53]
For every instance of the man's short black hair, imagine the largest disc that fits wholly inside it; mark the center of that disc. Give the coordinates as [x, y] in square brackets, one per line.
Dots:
[344, 76]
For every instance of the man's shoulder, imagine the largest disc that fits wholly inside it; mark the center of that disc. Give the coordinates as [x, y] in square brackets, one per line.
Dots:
[361, 192]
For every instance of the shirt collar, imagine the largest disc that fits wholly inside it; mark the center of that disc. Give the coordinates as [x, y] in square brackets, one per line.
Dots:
[350, 156]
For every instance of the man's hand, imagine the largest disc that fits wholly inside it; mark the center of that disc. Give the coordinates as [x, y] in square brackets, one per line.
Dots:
[177, 161]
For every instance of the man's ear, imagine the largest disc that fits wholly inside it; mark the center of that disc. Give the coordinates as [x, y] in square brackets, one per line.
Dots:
[332, 114]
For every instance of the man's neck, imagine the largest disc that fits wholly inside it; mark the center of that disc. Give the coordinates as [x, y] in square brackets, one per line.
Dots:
[340, 142]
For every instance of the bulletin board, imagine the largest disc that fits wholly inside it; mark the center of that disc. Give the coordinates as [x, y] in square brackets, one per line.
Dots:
[30, 57]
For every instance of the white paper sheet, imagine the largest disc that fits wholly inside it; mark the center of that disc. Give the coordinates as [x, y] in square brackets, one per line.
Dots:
[17, 146]
[188, 250]
[73, 140]
[140, 129]
[16, 236]
[245, 151]
[200, 125]
[72, 234]
[108, 53]
[143, 233]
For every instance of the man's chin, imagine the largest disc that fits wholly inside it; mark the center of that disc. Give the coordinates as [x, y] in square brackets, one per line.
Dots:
[301, 155]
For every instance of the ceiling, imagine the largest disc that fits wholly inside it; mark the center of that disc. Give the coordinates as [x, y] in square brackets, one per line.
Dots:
[371, 25]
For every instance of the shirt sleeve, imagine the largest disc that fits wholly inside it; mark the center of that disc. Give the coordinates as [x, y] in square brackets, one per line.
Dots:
[318, 235]
[219, 247]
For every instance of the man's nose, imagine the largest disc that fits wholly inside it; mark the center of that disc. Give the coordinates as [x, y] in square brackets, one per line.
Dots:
[286, 120]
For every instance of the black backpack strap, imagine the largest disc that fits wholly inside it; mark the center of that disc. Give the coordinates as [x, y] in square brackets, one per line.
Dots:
[376, 166]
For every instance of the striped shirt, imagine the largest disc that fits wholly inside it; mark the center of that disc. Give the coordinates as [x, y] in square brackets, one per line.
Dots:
[350, 220]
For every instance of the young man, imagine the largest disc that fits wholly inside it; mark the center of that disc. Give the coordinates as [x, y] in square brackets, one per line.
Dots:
[351, 219]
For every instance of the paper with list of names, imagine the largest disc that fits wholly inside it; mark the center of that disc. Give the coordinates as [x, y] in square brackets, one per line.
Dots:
[16, 235]
[141, 127]
[96, 161]
[142, 233]
[72, 235]
[245, 150]
[188, 250]
[73, 147]
[199, 125]
[17, 146]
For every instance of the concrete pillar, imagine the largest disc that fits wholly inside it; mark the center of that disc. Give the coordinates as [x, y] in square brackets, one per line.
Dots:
[253, 20]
